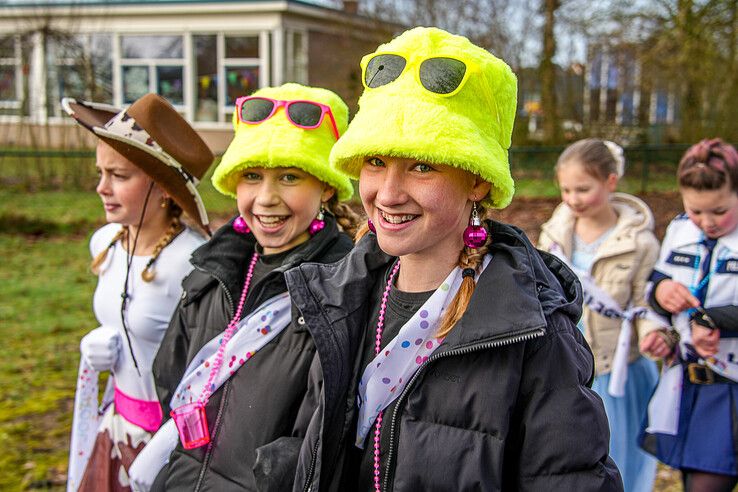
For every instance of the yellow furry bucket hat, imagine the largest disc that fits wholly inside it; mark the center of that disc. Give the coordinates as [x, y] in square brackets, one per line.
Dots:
[278, 141]
[438, 98]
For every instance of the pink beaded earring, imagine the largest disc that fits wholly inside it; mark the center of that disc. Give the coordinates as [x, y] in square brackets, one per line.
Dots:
[475, 235]
[370, 224]
[240, 226]
[317, 223]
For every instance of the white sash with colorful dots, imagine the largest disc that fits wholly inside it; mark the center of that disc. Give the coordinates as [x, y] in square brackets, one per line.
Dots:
[254, 331]
[387, 374]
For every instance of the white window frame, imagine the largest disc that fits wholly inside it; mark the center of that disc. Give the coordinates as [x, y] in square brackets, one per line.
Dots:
[151, 63]
[17, 63]
[296, 64]
[262, 62]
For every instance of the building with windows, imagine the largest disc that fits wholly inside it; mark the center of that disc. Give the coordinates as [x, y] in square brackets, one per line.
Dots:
[200, 55]
[623, 98]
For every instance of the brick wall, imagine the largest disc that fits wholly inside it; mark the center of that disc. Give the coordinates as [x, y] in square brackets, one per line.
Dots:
[334, 61]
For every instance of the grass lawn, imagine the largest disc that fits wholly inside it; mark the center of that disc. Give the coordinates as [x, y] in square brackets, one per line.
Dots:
[45, 304]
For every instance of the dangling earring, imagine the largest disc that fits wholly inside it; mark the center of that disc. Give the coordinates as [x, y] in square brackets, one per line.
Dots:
[164, 202]
[240, 226]
[317, 223]
[370, 224]
[475, 235]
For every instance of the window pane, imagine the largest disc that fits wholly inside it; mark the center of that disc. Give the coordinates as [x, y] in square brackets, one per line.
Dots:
[101, 64]
[65, 77]
[662, 106]
[299, 57]
[627, 108]
[206, 78]
[7, 47]
[7, 83]
[67, 47]
[240, 81]
[151, 46]
[170, 84]
[71, 82]
[242, 47]
[135, 83]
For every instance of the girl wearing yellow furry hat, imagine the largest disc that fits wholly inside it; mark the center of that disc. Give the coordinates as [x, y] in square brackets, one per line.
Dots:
[448, 345]
[234, 363]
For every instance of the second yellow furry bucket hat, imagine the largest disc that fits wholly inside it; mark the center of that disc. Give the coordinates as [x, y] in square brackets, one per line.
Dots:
[467, 124]
[276, 142]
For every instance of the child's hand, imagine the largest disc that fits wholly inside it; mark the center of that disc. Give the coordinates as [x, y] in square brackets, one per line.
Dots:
[654, 345]
[706, 341]
[675, 297]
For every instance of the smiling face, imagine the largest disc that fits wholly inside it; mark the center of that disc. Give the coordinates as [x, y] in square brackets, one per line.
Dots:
[713, 211]
[279, 203]
[584, 194]
[123, 187]
[418, 208]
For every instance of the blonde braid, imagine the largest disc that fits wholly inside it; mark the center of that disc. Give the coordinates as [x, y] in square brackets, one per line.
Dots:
[347, 219]
[100, 258]
[362, 231]
[174, 228]
[468, 258]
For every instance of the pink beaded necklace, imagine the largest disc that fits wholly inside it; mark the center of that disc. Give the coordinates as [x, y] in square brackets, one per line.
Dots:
[228, 333]
[377, 350]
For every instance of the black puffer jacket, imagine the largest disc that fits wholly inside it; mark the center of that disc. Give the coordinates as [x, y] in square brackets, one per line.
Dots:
[503, 404]
[265, 399]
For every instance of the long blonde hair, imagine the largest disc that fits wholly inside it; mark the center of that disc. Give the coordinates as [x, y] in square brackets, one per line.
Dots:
[148, 274]
[468, 258]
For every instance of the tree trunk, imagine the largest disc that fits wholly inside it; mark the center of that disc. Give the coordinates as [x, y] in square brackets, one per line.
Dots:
[551, 127]
[689, 56]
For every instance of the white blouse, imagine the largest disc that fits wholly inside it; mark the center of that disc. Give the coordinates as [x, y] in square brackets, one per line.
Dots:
[150, 304]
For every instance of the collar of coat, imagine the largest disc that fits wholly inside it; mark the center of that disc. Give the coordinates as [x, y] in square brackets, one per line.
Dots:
[688, 234]
[513, 295]
[226, 256]
[634, 216]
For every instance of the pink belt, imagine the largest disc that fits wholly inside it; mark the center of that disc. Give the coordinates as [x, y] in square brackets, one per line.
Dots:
[145, 414]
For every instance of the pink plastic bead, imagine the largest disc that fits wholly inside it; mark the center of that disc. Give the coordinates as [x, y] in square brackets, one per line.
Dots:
[377, 349]
[228, 333]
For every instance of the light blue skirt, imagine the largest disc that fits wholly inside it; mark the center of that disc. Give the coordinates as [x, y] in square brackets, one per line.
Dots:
[626, 415]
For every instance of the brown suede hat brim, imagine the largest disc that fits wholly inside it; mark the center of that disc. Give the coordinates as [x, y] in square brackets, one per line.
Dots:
[175, 136]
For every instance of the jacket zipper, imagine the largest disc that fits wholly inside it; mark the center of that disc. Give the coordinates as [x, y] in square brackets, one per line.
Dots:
[308, 485]
[461, 351]
[208, 453]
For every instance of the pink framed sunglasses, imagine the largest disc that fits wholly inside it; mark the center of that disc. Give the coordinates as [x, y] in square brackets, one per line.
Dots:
[308, 115]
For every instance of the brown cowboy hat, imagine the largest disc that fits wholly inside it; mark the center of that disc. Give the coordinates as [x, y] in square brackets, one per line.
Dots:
[152, 134]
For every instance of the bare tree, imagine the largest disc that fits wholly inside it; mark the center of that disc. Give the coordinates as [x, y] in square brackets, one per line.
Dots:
[686, 48]
[501, 26]
[547, 70]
